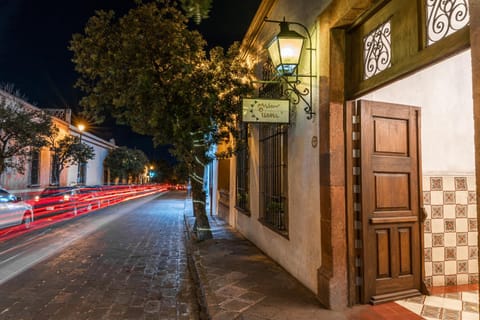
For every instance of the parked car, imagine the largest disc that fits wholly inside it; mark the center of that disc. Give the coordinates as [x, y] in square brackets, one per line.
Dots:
[14, 211]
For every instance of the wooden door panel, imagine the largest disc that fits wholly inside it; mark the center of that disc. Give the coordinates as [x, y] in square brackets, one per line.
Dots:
[405, 251]
[395, 246]
[390, 200]
[383, 253]
[391, 191]
[390, 136]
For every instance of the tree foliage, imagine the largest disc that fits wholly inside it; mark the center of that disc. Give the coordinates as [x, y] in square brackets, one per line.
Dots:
[22, 129]
[198, 10]
[151, 72]
[165, 171]
[67, 151]
[126, 164]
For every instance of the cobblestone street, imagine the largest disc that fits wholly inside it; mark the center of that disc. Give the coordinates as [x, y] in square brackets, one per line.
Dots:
[135, 267]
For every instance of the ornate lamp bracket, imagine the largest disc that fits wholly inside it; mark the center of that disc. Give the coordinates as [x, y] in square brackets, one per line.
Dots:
[291, 79]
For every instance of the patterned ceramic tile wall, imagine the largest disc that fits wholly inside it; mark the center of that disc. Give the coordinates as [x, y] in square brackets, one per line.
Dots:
[450, 230]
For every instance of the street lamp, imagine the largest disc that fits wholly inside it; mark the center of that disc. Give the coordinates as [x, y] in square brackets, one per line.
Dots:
[285, 51]
[81, 128]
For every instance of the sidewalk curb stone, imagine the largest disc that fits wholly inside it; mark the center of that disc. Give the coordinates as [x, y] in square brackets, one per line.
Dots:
[207, 298]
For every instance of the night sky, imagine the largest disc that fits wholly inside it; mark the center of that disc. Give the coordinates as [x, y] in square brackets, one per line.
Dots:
[34, 55]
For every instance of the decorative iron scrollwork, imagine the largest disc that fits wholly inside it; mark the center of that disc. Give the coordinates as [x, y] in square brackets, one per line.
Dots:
[377, 50]
[270, 88]
[444, 17]
[268, 70]
[275, 87]
[291, 92]
[293, 95]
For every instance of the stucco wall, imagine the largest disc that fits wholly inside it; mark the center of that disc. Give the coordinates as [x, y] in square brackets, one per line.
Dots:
[444, 92]
[11, 179]
[300, 253]
[94, 166]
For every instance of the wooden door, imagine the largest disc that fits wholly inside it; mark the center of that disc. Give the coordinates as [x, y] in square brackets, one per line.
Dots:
[390, 203]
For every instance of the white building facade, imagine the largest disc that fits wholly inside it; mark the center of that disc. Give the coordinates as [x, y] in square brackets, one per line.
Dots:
[38, 171]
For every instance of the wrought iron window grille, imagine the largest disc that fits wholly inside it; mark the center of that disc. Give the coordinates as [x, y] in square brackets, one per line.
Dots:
[377, 50]
[242, 185]
[273, 176]
[445, 17]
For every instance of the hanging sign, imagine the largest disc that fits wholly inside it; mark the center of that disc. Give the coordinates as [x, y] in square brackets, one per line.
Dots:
[266, 110]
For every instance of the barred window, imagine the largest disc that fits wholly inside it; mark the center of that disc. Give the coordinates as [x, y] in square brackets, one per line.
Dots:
[273, 177]
[242, 190]
[54, 172]
[82, 177]
[106, 176]
[35, 168]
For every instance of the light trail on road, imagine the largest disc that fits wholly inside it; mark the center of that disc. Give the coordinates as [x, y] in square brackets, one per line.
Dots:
[52, 209]
[21, 256]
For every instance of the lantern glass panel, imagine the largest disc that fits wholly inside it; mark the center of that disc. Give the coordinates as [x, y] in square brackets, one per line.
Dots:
[290, 50]
[274, 53]
[285, 54]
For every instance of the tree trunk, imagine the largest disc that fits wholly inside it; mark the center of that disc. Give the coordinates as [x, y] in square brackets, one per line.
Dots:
[2, 165]
[57, 171]
[202, 226]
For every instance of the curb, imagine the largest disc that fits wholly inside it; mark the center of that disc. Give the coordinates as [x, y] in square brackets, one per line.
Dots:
[209, 303]
[201, 300]
[198, 273]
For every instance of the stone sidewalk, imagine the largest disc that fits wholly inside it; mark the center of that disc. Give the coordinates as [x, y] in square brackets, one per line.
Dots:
[237, 281]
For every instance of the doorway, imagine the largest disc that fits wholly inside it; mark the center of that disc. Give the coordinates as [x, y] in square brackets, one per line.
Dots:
[448, 193]
[386, 186]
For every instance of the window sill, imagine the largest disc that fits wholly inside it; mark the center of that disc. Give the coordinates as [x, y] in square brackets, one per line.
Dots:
[279, 232]
[243, 211]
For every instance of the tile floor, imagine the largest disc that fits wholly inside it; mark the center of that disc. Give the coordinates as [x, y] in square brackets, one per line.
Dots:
[446, 303]
[387, 311]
